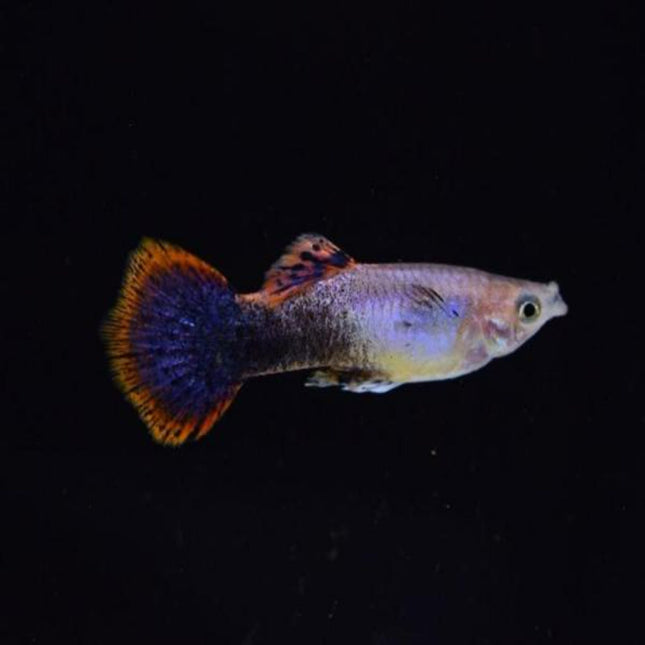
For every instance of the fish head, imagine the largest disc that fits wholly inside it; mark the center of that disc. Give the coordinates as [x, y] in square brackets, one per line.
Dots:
[514, 310]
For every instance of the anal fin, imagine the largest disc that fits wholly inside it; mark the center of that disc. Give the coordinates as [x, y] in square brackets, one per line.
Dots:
[357, 381]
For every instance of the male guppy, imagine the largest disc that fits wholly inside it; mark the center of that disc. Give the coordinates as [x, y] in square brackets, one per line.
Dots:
[181, 341]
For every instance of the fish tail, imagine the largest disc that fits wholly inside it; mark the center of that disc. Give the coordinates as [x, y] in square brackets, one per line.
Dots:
[171, 341]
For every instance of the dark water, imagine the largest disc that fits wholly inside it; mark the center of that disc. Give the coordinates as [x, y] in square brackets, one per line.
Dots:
[504, 507]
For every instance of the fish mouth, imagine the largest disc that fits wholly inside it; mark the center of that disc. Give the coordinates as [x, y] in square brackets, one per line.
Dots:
[557, 306]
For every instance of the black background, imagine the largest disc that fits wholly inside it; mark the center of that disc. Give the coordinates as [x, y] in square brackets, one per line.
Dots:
[500, 508]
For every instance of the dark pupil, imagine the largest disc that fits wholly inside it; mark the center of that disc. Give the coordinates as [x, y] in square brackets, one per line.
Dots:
[529, 310]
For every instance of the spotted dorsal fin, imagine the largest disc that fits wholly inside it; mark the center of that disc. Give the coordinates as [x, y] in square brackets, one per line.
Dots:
[308, 259]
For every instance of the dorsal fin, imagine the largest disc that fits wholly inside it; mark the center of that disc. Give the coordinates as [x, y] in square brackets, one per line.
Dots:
[308, 259]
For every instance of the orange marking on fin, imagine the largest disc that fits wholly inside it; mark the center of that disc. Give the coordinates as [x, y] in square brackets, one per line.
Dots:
[308, 259]
[145, 311]
[170, 430]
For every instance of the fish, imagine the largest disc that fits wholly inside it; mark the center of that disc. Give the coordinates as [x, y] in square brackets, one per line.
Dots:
[181, 341]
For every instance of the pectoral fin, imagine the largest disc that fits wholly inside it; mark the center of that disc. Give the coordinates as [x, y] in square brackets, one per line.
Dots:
[352, 381]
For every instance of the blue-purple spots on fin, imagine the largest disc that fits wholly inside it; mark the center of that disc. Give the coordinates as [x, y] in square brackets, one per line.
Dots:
[172, 341]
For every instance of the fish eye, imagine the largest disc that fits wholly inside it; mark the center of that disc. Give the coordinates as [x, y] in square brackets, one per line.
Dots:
[529, 309]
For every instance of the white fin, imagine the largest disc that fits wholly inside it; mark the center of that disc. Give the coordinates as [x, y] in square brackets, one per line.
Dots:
[358, 382]
[375, 387]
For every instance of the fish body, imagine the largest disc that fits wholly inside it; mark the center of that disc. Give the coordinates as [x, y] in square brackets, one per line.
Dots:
[181, 341]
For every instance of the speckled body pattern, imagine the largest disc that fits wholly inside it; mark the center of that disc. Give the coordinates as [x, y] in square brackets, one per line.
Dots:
[400, 322]
[181, 342]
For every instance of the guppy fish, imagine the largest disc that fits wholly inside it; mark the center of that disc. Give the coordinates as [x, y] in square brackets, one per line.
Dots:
[181, 341]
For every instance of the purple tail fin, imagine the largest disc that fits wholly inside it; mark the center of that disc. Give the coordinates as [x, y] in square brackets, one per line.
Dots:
[171, 339]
